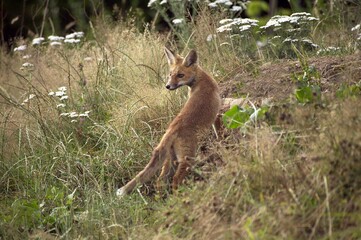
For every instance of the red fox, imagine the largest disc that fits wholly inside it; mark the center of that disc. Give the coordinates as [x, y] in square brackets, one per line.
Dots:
[179, 143]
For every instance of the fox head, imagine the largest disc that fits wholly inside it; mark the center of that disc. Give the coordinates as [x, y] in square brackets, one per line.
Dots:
[182, 71]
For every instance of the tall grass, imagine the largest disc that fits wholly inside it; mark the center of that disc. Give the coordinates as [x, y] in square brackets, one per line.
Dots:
[294, 174]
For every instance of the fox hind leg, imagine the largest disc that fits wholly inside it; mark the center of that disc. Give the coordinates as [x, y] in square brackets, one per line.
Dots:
[185, 155]
[167, 172]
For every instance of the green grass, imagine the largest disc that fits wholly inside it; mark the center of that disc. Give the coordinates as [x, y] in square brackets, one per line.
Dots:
[293, 174]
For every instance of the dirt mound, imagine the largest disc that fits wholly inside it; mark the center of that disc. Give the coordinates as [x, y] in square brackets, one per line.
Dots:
[274, 80]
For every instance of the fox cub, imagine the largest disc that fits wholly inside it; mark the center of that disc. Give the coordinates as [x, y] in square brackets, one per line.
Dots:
[179, 143]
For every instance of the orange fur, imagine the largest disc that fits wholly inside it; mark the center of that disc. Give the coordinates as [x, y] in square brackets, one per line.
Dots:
[179, 143]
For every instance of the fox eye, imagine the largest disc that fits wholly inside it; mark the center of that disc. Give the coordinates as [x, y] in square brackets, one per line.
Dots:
[180, 75]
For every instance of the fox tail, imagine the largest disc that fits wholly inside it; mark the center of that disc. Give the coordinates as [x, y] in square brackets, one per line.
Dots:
[159, 155]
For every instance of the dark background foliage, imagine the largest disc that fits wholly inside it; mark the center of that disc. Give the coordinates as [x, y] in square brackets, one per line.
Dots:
[29, 18]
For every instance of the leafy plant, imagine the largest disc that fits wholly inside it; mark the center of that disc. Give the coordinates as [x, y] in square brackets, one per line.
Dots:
[308, 89]
[238, 117]
[349, 91]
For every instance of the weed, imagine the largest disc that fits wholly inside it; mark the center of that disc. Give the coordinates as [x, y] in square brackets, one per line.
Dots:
[308, 86]
[348, 91]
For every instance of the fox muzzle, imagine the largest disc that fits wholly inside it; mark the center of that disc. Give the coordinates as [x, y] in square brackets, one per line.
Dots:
[172, 87]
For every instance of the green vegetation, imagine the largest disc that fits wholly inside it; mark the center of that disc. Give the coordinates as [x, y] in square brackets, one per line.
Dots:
[80, 118]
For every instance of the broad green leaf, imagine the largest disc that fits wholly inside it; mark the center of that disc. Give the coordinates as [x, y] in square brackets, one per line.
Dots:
[304, 94]
[235, 117]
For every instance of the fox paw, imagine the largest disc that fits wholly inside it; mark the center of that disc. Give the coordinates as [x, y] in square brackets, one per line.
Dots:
[120, 192]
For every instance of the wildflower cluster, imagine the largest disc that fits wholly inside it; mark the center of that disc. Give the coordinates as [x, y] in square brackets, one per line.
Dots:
[292, 29]
[37, 41]
[74, 37]
[239, 6]
[328, 50]
[164, 5]
[237, 24]
[278, 35]
[61, 94]
[291, 23]
[53, 41]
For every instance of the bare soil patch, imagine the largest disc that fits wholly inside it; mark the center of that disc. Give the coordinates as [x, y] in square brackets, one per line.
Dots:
[274, 80]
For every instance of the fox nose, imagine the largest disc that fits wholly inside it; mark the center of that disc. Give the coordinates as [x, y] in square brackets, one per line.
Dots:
[167, 86]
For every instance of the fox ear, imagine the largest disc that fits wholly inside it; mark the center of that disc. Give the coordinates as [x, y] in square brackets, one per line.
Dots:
[170, 56]
[190, 59]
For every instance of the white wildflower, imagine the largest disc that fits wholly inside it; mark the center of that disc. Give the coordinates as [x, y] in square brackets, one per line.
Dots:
[73, 121]
[38, 41]
[79, 34]
[20, 48]
[224, 2]
[71, 40]
[210, 37]
[355, 28]
[55, 44]
[31, 96]
[307, 41]
[220, 2]
[51, 93]
[236, 8]
[328, 50]
[63, 88]
[61, 105]
[59, 93]
[177, 21]
[273, 22]
[312, 19]
[63, 98]
[64, 114]
[73, 114]
[301, 14]
[85, 114]
[229, 23]
[224, 44]
[26, 56]
[163, 2]
[151, 2]
[74, 35]
[224, 29]
[226, 20]
[290, 40]
[70, 36]
[244, 28]
[310, 42]
[55, 38]
[333, 48]
[296, 18]
[27, 65]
